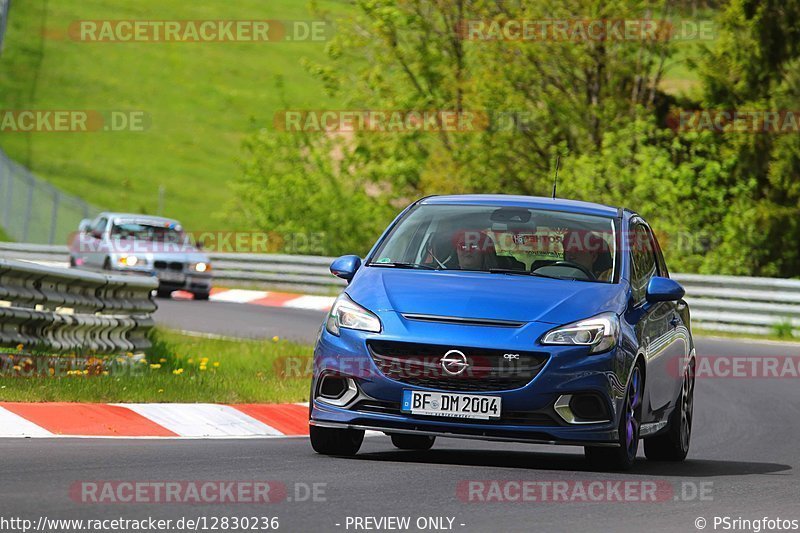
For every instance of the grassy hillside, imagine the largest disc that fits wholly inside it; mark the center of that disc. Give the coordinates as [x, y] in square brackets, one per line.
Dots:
[200, 99]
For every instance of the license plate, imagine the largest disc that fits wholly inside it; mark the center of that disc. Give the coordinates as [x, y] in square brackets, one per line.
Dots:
[172, 276]
[452, 405]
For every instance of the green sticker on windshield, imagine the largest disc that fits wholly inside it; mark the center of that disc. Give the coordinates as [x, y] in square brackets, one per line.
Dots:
[384, 260]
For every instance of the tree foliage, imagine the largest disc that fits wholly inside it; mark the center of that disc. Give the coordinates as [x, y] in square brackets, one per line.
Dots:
[722, 202]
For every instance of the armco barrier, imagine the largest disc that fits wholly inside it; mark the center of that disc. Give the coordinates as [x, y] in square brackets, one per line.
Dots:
[722, 303]
[742, 304]
[65, 309]
[306, 273]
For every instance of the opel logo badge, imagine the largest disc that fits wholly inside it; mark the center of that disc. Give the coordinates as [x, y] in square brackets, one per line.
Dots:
[454, 362]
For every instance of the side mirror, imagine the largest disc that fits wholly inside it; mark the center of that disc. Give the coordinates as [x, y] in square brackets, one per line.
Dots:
[346, 266]
[84, 225]
[664, 290]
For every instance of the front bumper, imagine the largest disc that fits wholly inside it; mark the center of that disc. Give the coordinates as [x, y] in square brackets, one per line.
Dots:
[189, 282]
[172, 280]
[569, 370]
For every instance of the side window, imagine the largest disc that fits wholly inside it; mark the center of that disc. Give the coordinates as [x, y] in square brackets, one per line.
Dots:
[99, 226]
[643, 260]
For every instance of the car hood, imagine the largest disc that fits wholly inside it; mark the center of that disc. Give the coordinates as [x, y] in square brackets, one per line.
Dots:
[483, 295]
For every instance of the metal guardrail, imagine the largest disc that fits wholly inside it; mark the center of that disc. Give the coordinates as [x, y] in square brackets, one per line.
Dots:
[301, 272]
[4, 8]
[65, 309]
[742, 304]
[722, 303]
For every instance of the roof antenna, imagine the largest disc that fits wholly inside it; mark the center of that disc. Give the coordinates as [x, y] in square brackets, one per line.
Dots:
[555, 178]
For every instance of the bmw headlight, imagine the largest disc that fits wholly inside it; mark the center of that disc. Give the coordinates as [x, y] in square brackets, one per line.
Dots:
[599, 332]
[129, 261]
[200, 267]
[345, 313]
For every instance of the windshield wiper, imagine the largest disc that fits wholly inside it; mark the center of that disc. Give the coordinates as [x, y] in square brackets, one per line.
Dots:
[401, 264]
[525, 273]
[509, 271]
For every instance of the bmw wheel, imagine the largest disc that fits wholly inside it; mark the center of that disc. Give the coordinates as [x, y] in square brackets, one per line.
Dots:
[674, 444]
[623, 456]
[334, 441]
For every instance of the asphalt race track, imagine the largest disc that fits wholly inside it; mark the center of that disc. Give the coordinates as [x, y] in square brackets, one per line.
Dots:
[743, 464]
[239, 320]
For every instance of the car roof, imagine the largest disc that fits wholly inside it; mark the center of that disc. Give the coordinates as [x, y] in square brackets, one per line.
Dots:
[149, 218]
[533, 202]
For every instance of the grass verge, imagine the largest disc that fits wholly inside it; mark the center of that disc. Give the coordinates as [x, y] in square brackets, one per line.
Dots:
[178, 368]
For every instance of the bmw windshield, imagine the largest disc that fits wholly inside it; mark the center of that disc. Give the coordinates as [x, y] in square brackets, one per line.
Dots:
[503, 240]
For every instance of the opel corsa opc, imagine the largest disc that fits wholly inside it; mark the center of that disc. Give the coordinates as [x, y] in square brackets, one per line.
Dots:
[508, 318]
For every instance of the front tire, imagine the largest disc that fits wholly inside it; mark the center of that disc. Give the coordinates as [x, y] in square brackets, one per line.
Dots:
[334, 441]
[412, 442]
[674, 444]
[624, 456]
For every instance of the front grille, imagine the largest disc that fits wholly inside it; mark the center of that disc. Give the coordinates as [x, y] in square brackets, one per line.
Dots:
[171, 265]
[530, 418]
[487, 370]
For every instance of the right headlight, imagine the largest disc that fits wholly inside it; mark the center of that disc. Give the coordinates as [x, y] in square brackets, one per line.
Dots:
[200, 267]
[599, 332]
[345, 313]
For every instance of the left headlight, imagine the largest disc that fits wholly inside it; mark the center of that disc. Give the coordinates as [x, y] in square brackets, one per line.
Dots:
[600, 332]
[345, 313]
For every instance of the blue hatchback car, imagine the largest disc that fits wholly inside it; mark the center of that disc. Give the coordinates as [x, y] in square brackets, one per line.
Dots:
[508, 318]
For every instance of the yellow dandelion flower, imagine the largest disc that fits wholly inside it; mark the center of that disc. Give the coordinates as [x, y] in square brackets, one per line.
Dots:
[190, 361]
[162, 360]
[178, 371]
[275, 338]
[155, 366]
[203, 360]
[215, 363]
[203, 367]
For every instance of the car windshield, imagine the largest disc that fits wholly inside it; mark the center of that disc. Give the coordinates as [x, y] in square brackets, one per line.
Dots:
[150, 232]
[503, 240]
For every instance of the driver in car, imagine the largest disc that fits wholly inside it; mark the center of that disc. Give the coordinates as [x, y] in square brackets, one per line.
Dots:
[589, 250]
[475, 250]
